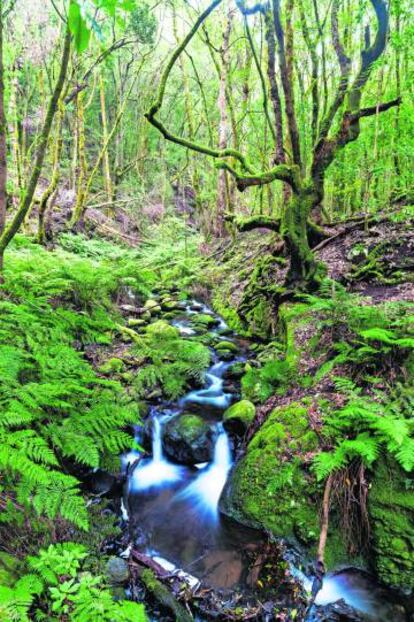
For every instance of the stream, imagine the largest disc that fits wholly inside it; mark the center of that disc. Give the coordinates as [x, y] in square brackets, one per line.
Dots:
[174, 509]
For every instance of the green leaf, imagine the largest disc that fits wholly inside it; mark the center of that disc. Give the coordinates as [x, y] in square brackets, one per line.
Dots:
[78, 27]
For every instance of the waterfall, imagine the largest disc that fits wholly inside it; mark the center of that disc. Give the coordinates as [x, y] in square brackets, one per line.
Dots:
[204, 492]
[157, 471]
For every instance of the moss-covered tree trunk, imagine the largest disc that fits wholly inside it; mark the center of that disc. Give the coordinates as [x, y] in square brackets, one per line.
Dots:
[8, 233]
[303, 265]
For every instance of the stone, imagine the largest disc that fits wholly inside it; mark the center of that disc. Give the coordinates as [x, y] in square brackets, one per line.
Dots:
[227, 346]
[162, 330]
[204, 320]
[152, 306]
[188, 439]
[235, 371]
[391, 512]
[238, 417]
[134, 322]
[117, 570]
[270, 489]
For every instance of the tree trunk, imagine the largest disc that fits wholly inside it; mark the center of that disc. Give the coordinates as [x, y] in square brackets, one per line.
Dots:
[222, 205]
[52, 187]
[303, 264]
[106, 165]
[9, 232]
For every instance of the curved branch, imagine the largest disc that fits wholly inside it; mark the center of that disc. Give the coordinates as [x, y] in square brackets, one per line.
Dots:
[281, 172]
[254, 222]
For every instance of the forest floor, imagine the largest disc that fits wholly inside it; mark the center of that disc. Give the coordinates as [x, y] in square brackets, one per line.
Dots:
[314, 370]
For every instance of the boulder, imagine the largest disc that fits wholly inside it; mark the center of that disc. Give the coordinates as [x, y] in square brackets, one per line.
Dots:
[238, 417]
[227, 346]
[136, 322]
[188, 439]
[117, 571]
[162, 330]
[204, 320]
[270, 488]
[152, 306]
[235, 371]
[391, 514]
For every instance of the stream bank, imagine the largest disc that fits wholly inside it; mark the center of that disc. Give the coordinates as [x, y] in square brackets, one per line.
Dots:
[172, 501]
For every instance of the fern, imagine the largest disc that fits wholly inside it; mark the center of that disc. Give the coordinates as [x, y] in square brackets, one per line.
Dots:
[172, 362]
[60, 587]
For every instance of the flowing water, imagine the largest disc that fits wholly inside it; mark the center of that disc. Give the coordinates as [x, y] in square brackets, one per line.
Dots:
[176, 507]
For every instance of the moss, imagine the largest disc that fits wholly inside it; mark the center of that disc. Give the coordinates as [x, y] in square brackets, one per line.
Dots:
[9, 569]
[227, 346]
[112, 366]
[162, 330]
[204, 320]
[239, 416]
[270, 487]
[391, 509]
[152, 306]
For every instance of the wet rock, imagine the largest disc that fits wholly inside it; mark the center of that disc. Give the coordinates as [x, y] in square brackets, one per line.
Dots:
[227, 346]
[171, 305]
[203, 320]
[102, 483]
[188, 439]
[117, 571]
[238, 417]
[225, 331]
[335, 612]
[235, 371]
[269, 488]
[196, 306]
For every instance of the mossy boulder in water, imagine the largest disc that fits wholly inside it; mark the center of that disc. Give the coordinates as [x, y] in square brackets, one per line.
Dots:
[188, 439]
[203, 320]
[270, 487]
[239, 416]
[391, 512]
[227, 346]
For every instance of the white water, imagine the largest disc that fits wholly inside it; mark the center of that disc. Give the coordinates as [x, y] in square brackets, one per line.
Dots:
[155, 471]
[204, 492]
[213, 395]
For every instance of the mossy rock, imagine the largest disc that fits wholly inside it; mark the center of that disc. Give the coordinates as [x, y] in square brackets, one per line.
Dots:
[238, 417]
[112, 366]
[235, 371]
[188, 439]
[171, 305]
[391, 512]
[152, 306]
[117, 571]
[204, 320]
[137, 322]
[270, 488]
[162, 330]
[227, 346]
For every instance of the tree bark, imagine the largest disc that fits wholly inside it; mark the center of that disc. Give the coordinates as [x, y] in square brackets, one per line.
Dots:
[10, 231]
